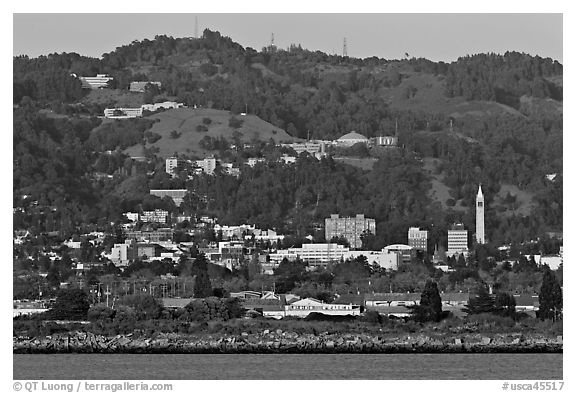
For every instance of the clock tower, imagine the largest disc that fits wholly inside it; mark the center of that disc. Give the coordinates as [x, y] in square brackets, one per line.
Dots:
[480, 236]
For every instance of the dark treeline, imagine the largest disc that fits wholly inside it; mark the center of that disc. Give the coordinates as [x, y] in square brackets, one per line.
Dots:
[295, 89]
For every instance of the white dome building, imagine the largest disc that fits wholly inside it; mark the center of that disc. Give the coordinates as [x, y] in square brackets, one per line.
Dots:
[351, 139]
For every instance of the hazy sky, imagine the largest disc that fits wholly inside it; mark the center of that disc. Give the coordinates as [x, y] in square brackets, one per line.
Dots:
[433, 36]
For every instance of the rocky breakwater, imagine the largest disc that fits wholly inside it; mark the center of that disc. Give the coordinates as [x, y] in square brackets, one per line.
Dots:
[286, 342]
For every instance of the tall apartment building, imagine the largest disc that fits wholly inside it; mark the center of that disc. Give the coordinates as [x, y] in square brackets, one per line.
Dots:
[457, 240]
[350, 228]
[417, 238]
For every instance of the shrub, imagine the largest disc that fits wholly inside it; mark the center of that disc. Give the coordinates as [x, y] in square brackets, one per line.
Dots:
[152, 137]
[372, 317]
[70, 304]
[234, 122]
[175, 134]
[207, 120]
[144, 306]
[201, 128]
[100, 312]
[491, 320]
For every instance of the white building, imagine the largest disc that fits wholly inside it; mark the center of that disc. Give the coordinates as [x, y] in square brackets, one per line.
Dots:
[315, 148]
[230, 231]
[403, 250]
[480, 237]
[162, 105]
[253, 161]
[286, 159]
[302, 308]
[132, 216]
[350, 228]
[208, 165]
[171, 164]
[157, 216]
[386, 141]
[99, 81]
[384, 259]
[417, 238]
[351, 139]
[266, 235]
[457, 241]
[122, 113]
[119, 253]
[319, 254]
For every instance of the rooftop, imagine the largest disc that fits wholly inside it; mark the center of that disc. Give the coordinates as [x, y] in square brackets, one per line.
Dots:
[352, 135]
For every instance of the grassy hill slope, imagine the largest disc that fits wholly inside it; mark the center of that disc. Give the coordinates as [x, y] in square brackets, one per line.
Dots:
[186, 120]
[425, 92]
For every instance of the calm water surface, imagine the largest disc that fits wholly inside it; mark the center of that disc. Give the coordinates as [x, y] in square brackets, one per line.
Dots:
[289, 366]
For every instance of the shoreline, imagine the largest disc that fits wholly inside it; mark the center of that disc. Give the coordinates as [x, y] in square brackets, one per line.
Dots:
[279, 342]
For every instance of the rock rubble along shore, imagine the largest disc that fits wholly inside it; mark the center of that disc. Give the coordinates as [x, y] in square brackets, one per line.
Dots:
[286, 342]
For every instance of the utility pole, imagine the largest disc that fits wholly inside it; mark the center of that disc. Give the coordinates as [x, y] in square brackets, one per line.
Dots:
[345, 49]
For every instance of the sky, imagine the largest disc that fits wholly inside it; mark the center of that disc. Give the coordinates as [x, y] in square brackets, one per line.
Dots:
[435, 36]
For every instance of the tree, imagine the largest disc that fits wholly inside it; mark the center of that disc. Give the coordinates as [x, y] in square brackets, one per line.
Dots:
[430, 307]
[145, 306]
[505, 304]
[483, 302]
[71, 304]
[550, 297]
[202, 285]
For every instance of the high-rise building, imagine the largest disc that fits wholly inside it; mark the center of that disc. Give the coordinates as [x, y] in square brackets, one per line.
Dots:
[351, 228]
[480, 237]
[457, 240]
[417, 238]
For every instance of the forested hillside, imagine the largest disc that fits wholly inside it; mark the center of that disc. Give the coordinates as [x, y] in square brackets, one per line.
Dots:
[494, 119]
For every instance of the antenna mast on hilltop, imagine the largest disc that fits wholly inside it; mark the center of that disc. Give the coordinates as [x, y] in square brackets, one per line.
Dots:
[345, 48]
[196, 28]
[272, 45]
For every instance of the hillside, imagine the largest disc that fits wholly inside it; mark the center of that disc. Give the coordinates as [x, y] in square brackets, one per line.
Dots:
[495, 119]
[186, 121]
[419, 91]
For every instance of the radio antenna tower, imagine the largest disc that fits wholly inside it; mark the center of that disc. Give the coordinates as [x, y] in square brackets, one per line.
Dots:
[196, 28]
[345, 48]
[272, 41]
